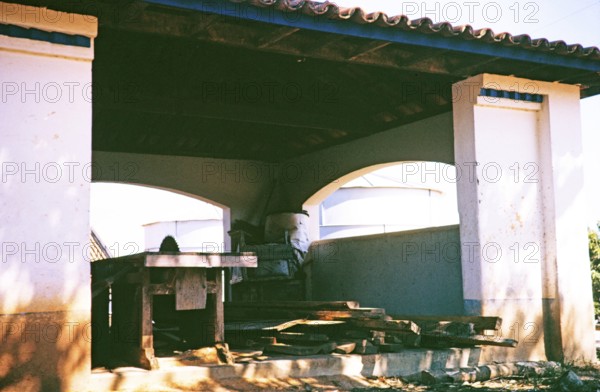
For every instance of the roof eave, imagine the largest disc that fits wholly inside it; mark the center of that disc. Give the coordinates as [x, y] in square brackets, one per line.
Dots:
[280, 17]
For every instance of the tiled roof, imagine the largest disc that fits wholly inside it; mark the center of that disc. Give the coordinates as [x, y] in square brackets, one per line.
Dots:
[97, 250]
[427, 26]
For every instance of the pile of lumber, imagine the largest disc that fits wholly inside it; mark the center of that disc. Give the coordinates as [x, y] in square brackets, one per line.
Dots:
[322, 327]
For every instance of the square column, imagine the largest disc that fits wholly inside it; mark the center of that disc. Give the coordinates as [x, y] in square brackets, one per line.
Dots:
[523, 234]
[45, 154]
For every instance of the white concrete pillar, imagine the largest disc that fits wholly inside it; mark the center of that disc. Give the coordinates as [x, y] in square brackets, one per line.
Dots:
[523, 230]
[45, 151]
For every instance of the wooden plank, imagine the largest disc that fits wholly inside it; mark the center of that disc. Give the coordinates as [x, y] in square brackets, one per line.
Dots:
[369, 313]
[216, 308]
[310, 323]
[298, 350]
[200, 260]
[314, 305]
[480, 323]
[240, 313]
[190, 289]
[407, 339]
[441, 340]
[388, 325]
[259, 325]
[364, 347]
[447, 327]
[345, 347]
[302, 337]
[285, 325]
[146, 349]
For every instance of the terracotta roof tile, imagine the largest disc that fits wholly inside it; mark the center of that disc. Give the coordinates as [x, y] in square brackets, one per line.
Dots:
[427, 26]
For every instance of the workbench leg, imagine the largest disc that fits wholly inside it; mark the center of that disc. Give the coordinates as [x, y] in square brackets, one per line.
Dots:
[215, 308]
[219, 320]
[147, 358]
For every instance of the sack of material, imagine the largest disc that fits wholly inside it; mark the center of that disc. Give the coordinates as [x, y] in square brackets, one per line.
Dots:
[288, 228]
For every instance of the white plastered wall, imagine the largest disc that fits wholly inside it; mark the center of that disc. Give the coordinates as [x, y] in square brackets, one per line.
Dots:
[45, 147]
[523, 231]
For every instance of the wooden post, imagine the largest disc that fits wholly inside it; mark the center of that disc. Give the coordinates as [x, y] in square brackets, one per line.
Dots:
[147, 359]
[216, 307]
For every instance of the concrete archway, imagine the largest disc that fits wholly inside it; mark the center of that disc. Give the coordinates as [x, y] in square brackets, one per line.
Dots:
[161, 200]
[412, 173]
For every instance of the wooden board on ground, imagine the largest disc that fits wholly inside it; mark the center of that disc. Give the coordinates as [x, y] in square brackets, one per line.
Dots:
[234, 312]
[257, 325]
[302, 337]
[387, 325]
[480, 323]
[298, 350]
[447, 327]
[304, 322]
[442, 340]
[315, 305]
[359, 313]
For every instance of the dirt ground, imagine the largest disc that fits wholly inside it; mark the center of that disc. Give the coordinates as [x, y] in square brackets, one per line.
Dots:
[590, 376]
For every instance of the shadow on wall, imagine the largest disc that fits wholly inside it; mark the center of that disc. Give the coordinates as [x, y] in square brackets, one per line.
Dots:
[47, 351]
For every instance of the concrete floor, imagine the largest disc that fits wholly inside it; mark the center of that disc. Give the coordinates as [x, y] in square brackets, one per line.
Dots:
[210, 377]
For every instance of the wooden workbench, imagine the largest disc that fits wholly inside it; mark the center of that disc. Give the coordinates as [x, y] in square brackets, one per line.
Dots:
[195, 279]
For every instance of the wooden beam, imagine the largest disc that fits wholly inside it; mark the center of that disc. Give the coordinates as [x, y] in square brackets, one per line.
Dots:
[241, 33]
[372, 47]
[360, 313]
[200, 260]
[387, 325]
[441, 340]
[302, 337]
[315, 305]
[278, 35]
[298, 350]
[320, 121]
[480, 323]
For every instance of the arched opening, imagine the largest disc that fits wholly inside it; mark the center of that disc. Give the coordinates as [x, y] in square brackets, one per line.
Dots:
[394, 225]
[385, 198]
[131, 218]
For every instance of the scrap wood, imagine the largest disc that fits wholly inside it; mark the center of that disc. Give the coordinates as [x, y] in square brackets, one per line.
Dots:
[488, 372]
[407, 339]
[444, 340]
[388, 325]
[257, 325]
[448, 327]
[358, 313]
[314, 305]
[304, 322]
[364, 347]
[302, 337]
[289, 349]
[252, 313]
[480, 323]
[345, 347]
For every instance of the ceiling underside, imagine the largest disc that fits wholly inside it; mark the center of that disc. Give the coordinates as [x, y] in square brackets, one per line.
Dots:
[176, 82]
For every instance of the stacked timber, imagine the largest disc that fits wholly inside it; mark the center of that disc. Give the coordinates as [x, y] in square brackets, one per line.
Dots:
[322, 327]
